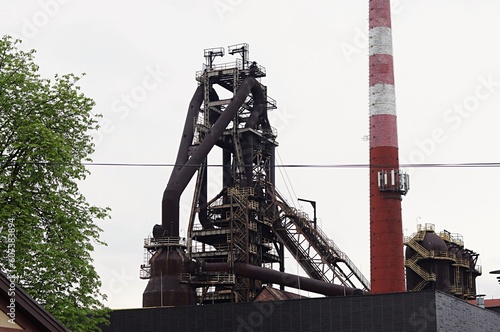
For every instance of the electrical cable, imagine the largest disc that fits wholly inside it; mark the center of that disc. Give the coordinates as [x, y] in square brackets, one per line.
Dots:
[349, 166]
[346, 166]
[284, 181]
[294, 197]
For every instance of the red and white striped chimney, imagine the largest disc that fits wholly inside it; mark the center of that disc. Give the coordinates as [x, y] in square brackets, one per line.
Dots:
[386, 186]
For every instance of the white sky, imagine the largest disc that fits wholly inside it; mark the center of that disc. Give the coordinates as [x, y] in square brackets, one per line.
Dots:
[316, 57]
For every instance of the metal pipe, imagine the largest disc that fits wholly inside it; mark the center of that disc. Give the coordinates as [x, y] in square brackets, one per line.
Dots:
[170, 197]
[188, 131]
[281, 278]
[203, 197]
[185, 166]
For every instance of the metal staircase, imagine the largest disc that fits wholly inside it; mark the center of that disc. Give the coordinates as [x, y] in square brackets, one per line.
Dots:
[412, 264]
[318, 255]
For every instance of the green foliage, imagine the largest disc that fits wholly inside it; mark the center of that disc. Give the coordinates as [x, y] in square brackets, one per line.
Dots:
[44, 138]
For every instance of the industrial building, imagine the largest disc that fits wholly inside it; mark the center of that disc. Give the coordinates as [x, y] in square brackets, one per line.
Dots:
[440, 261]
[234, 237]
[427, 311]
[228, 274]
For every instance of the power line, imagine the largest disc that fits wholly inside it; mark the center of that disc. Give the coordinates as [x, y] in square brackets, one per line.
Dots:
[286, 180]
[433, 165]
[347, 166]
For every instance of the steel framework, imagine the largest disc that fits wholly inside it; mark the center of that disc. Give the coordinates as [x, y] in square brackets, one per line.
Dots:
[247, 224]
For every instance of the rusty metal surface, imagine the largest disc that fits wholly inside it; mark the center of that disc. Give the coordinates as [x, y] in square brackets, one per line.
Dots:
[163, 288]
[186, 168]
[234, 234]
[283, 278]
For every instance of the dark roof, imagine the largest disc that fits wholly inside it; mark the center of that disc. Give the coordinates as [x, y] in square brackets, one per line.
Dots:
[28, 310]
[407, 311]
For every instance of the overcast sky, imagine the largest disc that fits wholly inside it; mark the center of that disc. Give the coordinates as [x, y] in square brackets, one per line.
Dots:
[141, 57]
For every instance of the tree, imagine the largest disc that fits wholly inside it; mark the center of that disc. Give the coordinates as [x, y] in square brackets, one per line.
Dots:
[47, 229]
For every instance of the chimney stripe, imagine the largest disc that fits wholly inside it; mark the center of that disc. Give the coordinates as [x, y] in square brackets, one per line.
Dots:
[386, 233]
[382, 99]
[380, 40]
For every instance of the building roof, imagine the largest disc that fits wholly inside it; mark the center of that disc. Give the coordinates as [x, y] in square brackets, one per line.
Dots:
[491, 303]
[272, 294]
[407, 311]
[25, 314]
[488, 303]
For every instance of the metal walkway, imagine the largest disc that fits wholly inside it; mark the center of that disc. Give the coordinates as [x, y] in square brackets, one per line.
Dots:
[318, 255]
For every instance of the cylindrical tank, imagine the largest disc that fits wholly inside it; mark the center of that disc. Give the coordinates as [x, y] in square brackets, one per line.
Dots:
[441, 267]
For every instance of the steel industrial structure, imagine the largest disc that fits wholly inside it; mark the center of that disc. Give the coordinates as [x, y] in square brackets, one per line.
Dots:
[440, 261]
[235, 238]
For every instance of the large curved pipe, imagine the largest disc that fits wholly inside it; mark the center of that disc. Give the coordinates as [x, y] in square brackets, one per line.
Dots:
[188, 131]
[282, 278]
[182, 158]
[185, 166]
[203, 199]
[213, 116]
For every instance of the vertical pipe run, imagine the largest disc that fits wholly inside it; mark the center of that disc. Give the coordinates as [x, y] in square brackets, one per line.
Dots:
[186, 166]
[386, 233]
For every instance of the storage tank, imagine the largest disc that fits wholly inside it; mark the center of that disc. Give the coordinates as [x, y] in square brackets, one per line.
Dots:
[440, 261]
[436, 262]
[428, 261]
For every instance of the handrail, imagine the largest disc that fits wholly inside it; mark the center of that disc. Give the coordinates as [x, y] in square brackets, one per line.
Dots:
[427, 227]
[164, 241]
[418, 248]
[238, 64]
[302, 220]
[420, 285]
[458, 239]
[208, 278]
[145, 271]
[421, 272]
